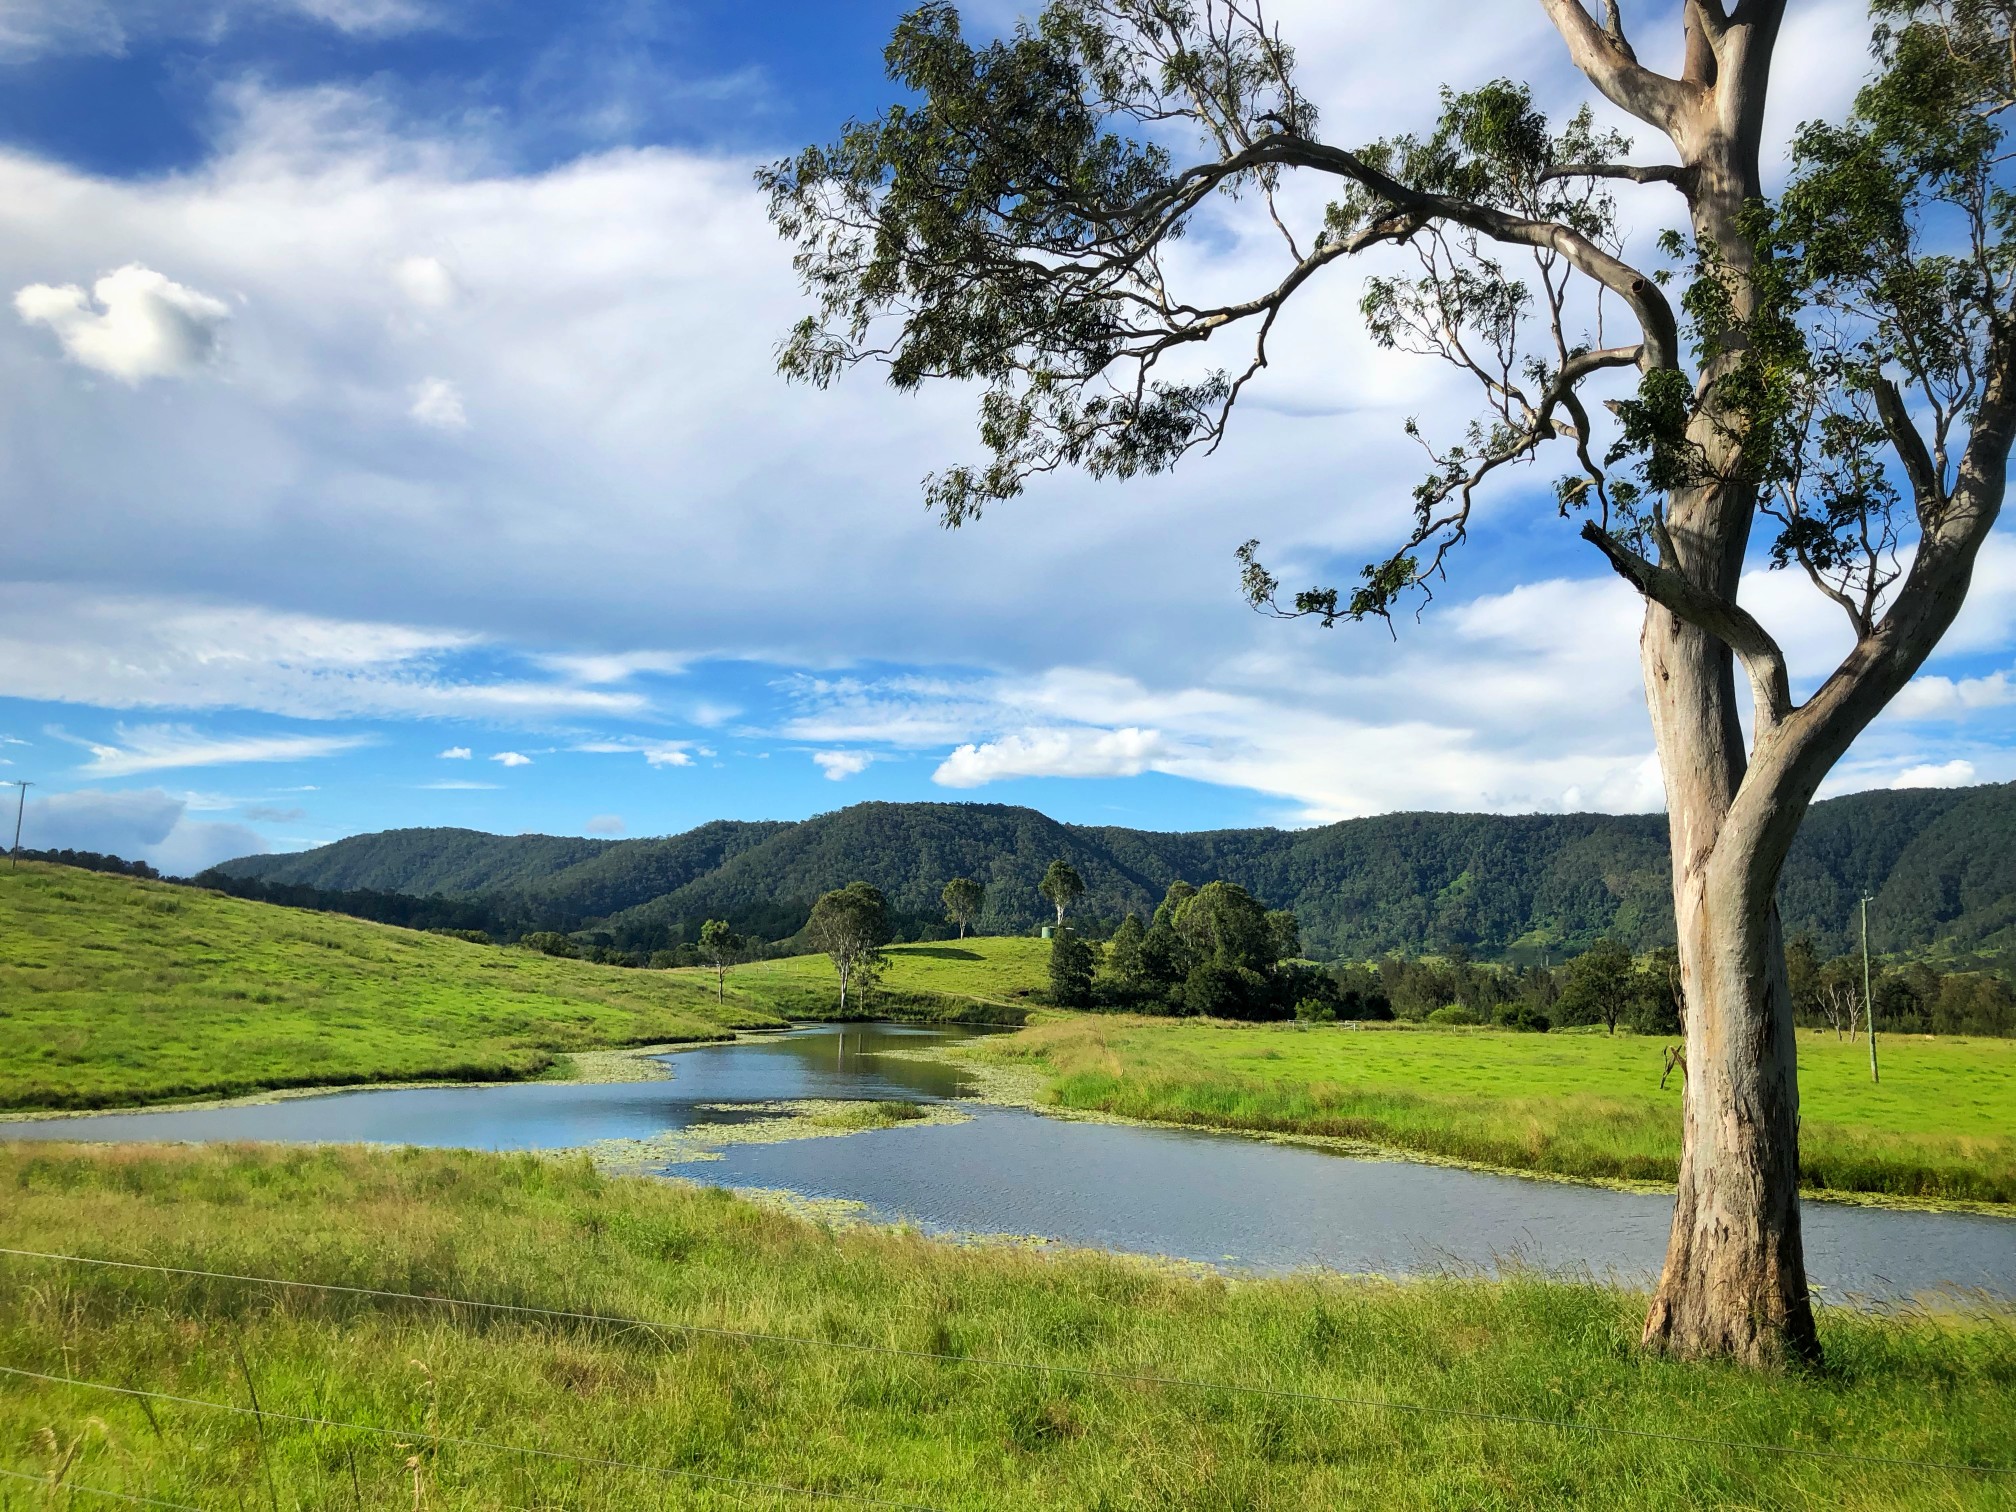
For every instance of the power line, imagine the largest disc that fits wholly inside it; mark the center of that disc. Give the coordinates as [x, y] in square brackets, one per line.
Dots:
[460, 1442]
[1083, 1372]
[76, 1490]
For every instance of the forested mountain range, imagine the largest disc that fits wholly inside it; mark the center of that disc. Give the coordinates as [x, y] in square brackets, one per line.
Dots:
[1940, 865]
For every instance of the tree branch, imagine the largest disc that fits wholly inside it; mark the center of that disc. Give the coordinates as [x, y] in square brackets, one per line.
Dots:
[1609, 63]
[1660, 173]
[1925, 480]
[1729, 623]
[1647, 302]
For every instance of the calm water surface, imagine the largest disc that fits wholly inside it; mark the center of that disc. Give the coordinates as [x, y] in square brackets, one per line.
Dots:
[1194, 1195]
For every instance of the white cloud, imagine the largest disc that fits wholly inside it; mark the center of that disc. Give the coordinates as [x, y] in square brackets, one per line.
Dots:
[59, 644]
[147, 825]
[606, 824]
[60, 28]
[512, 758]
[456, 753]
[158, 748]
[1056, 753]
[426, 282]
[613, 667]
[134, 324]
[363, 17]
[840, 765]
[1094, 608]
[437, 404]
[657, 753]
[1933, 697]
[1928, 775]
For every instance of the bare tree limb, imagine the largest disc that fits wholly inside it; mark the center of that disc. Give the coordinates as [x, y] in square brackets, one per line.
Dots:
[1609, 63]
[1647, 301]
[1658, 173]
[1925, 480]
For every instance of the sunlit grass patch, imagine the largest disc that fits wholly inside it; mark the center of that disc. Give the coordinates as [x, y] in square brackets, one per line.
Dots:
[1585, 1106]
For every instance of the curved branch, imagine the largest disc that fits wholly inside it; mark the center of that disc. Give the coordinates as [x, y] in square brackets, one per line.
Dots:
[1728, 622]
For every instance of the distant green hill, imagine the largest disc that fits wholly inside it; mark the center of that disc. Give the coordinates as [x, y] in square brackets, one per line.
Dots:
[1940, 864]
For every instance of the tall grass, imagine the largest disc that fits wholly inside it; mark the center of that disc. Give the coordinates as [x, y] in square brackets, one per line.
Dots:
[943, 1434]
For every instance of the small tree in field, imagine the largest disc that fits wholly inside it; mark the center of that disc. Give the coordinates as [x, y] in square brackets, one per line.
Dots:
[719, 947]
[1835, 385]
[851, 925]
[1602, 984]
[1062, 887]
[963, 899]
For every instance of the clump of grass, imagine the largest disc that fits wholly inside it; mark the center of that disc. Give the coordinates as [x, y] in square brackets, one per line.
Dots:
[871, 1115]
[927, 1431]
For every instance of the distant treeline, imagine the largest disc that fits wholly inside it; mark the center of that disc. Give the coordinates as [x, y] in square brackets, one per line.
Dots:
[1217, 951]
[93, 861]
[1938, 864]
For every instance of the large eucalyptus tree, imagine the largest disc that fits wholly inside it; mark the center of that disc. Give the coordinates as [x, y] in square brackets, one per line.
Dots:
[1831, 390]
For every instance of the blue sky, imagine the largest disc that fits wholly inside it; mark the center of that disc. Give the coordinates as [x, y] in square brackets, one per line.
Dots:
[391, 438]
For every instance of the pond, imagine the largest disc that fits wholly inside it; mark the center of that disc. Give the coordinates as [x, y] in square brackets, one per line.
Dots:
[1188, 1194]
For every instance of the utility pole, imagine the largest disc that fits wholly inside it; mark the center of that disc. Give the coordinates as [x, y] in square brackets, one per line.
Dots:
[20, 808]
[1868, 1002]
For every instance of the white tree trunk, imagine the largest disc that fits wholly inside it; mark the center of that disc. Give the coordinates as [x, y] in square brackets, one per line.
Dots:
[1734, 1280]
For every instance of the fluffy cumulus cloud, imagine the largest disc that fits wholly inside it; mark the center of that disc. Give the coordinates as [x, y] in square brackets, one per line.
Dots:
[606, 824]
[148, 825]
[1057, 753]
[840, 765]
[456, 753]
[1956, 773]
[512, 758]
[134, 323]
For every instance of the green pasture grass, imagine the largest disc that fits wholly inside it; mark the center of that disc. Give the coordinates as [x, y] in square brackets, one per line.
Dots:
[1940, 1125]
[945, 1434]
[981, 980]
[116, 991]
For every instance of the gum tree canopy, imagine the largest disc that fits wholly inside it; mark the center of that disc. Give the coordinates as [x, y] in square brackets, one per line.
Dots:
[1823, 379]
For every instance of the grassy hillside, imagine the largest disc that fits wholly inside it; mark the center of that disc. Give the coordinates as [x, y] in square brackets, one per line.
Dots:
[947, 1433]
[118, 991]
[1941, 864]
[1938, 1126]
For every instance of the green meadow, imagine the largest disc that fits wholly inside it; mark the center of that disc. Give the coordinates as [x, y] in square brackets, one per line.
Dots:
[115, 991]
[1588, 1105]
[718, 1419]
